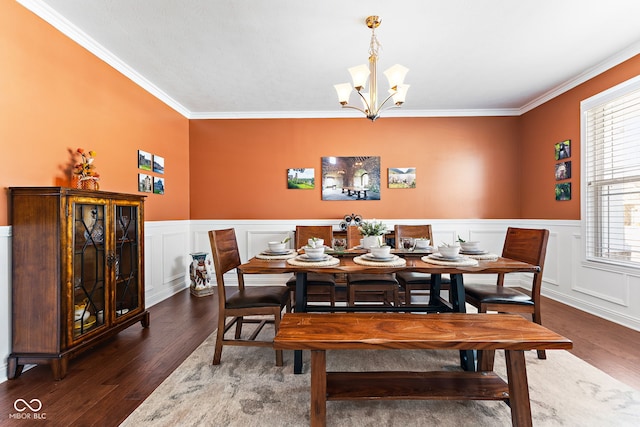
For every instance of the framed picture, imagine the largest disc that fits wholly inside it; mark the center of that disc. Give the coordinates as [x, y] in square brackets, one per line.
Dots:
[158, 164]
[158, 185]
[563, 171]
[351, 178]
[563, 191]
[401, 177]
[144, 160]
[144, 183]
[563, 150]
[301, 179]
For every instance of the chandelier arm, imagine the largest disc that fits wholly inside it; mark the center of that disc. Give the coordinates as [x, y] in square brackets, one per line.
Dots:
[365, 103]
[380, 109]
[355, 108]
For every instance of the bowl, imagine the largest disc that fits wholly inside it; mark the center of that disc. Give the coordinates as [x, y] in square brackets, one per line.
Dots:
[449, 251]
[277, 246]
[315, 242]
[470, 246]
[421, 243]
[314, 253]
[381, 251]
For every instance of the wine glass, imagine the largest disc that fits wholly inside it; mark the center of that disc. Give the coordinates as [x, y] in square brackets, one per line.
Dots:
[124, 225]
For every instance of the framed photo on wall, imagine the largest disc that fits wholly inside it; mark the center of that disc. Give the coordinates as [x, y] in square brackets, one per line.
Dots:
[301, 179]
[563, 149]
[145, 182]
[563, 191]
[158, 164]
[401, 177]
[158, 185]
[144, 160]
[351, 178]
[563, 171]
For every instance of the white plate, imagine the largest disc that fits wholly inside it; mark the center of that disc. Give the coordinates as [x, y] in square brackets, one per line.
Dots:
[306, 258]
[122, 312]
[476, 252]
[370, 257]
[270, 252]
[443, 258]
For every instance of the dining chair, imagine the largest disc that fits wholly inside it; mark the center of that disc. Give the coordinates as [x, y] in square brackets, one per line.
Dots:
[521, 244]
[412, 281]
[245, 301]
[320, 286]
[359, 284]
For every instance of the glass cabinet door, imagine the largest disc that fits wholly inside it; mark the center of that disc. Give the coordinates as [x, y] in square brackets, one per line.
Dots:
[127, 275]
[88, 263]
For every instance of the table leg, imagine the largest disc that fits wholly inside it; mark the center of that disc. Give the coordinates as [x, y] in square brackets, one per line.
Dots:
[434, 292]
[467, 357]
[518, 388]
[300, 307]
[318, 388]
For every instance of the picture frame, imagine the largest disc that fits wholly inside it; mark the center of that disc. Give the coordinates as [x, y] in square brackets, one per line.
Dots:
[145, 183]
[144, 160]
[401, 177]
[563, 170]
[158, 164]
[301, 179]
[563, 191]
[158, 185]
[351, 178]
[562, 149]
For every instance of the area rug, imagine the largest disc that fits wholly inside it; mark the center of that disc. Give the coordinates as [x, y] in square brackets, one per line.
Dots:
[247, 389]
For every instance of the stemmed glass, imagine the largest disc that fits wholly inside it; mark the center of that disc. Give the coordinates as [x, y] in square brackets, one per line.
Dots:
[124, 224]
[408, 244]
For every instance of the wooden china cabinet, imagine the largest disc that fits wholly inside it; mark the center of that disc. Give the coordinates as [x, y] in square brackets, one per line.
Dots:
[77, 272]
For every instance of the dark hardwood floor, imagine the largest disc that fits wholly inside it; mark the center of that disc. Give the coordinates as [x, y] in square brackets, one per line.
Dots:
[104, 385]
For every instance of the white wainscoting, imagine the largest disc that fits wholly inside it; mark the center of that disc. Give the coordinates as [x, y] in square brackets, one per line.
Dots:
[606, 291]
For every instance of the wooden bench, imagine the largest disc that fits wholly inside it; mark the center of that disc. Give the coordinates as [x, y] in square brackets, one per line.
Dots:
[319, 332]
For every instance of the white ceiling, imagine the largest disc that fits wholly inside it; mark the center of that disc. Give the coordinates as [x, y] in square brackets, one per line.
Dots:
[281, 58]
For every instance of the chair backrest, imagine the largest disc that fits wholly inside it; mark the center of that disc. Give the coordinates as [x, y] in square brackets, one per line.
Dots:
[413, 231]
[306, 232]
[226, 257]
[353, 236]
[528, 245]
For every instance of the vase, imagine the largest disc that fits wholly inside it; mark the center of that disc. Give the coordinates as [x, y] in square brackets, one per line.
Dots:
[89, 183]
[200, 274]
[371, 241]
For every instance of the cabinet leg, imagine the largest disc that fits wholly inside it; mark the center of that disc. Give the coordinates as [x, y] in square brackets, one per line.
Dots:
[13, 368]
[59, 368]
[146, 320]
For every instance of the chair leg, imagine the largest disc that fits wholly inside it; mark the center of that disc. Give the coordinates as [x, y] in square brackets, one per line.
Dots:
[351, 296]
[542, 354]
[407, 294]
[219, 339]
[276, 326]
[238, 328]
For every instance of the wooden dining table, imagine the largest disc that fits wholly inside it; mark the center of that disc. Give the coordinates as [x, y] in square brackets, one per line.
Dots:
[414, 262]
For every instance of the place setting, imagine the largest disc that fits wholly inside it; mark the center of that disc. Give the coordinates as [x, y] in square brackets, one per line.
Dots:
[380, 256]
[418, 245]
[277, 251]
[450, 255]
[471, 249]
[313, 255]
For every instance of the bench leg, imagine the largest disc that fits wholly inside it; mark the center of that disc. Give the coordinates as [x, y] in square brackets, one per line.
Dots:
[518, 388]
[318, 388]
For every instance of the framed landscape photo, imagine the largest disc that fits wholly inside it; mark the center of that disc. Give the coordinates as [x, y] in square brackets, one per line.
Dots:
[563, 149]
[158, 164]
[145, 182]
[401, 177]
[301, 179]
[144, 160]
[563, 191]
[158, 185]
[351, 178]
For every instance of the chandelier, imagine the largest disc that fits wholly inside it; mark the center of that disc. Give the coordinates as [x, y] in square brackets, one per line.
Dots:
[360, 74]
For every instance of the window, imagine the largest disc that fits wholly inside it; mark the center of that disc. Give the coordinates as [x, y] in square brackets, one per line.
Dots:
[610, 126]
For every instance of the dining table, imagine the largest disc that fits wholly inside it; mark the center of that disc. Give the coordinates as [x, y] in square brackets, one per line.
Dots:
[352, 261]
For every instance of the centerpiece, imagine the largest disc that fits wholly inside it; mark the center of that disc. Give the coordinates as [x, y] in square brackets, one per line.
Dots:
[372, 232]
[85, 175]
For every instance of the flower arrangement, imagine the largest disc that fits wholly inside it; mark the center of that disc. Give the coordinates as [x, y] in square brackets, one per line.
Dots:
[372, 228]
[86, 169]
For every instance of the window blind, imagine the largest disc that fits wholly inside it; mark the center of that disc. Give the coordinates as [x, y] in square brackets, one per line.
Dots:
[611, 167]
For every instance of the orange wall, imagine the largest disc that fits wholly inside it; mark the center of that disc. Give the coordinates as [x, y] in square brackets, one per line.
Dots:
[552, 122]
[466, 166]
[55, 96]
